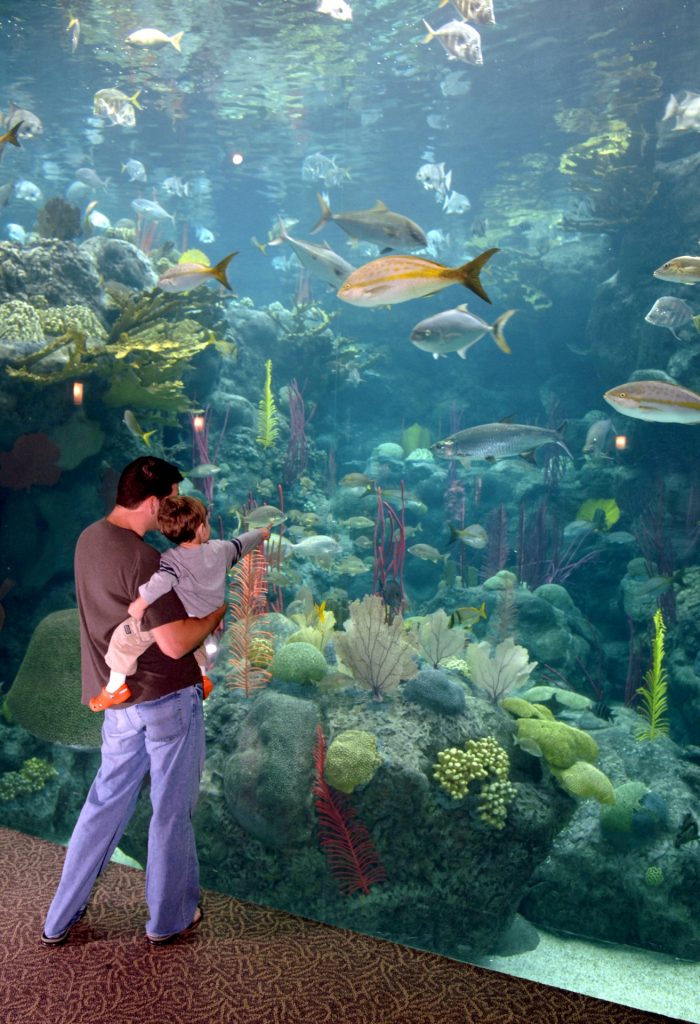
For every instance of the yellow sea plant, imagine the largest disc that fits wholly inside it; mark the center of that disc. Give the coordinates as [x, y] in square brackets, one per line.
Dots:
[653, 695]
[267, 414]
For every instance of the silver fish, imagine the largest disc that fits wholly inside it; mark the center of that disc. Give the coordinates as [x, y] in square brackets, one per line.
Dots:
[31, 124]
[598, 438]
[435, 178]
[680, 270]
[474, 10]
[460, 40]
[686, 112]
[318, 546]
[263, 517]
[670, 312]
[319, 260]
[456, 330]
[491, 441]
[150, 210]
[135, 169]
[455, 202]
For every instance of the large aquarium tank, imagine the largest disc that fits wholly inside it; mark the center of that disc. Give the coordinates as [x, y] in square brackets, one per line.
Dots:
[411, 284]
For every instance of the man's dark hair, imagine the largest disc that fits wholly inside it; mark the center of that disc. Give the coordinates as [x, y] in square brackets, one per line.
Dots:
[146, 477]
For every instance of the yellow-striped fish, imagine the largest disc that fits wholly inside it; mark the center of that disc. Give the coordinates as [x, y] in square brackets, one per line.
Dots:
[656, 401]
[392, 279]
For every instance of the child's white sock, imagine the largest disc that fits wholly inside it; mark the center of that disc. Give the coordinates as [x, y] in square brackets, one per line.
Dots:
[115, 681]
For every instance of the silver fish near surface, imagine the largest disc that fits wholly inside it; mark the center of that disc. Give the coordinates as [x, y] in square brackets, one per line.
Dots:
[492, 441]
[456, 330]
[680, 270]
[474, 10]
[27, 191]
[460, 41]
[319, 260]
[435, 178]
[686, 111]
[655, 401]
[340, 10]
[455, 202]
[669, 312]
[135, 170]
[30, 124]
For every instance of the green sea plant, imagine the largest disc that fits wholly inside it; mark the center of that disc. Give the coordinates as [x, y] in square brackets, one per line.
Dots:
[31, 778]
[653, 699]
[267, 414]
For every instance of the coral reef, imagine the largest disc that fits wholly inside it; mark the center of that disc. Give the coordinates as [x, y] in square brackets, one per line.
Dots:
[351, 760]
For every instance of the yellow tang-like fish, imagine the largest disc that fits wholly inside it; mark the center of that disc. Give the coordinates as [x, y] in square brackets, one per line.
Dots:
[184, 276]
[391, 279]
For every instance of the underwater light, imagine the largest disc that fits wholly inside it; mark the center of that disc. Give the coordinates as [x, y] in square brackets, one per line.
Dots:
[77, 392]
[620, 442]
[236, 158]
[198, 422]
[211, 647]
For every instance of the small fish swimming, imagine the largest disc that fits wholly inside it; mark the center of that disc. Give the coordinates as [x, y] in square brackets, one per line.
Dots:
[91, 178]
[10, 137]
[135, 170]
[16, 233]
[202, 471]
[262, 517]
[132, 423]
[98, 221]
[473, 536]
[154, 39]
[426, 552]
[175, 186]
[357, 480]
[598, 437]
[467, 616]
[27, 191]
[434, 177]
[318, 167]
[29, 124]
[393, 279]
[113, 103]
[669, 312]
[456, 330]
[351, 565]
[185, 276]
[480, 11]
[460, 41]
[203, 235]
[492, 441]
[358, 523]
[655, 401]
[74, 28]
[150, 210]
[456, 203]
[340, 10]
[378, 224]
[318, 546]
[680, 270]
[686, 112]
[319, 260]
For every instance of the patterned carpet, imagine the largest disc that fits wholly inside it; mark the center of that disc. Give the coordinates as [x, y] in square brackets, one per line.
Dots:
[244, 965]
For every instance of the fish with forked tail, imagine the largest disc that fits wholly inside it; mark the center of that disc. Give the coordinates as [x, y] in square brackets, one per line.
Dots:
[456, 330]
[492, 441]
[392, 279]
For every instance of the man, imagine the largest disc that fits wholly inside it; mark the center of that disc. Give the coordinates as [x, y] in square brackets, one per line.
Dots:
[159, 730]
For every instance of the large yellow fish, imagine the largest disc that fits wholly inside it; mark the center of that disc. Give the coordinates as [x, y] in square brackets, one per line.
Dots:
[392, 279]
[656, 401]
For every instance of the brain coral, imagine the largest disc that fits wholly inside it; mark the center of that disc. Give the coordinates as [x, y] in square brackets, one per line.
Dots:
[45, 696]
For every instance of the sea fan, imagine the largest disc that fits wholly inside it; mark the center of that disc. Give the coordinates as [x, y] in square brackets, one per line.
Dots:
[248, 591]
[351, 855]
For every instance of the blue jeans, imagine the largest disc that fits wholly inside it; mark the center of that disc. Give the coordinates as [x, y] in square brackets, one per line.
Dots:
[165, 737]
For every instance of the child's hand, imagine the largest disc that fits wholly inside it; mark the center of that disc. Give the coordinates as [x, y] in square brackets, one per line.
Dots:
[264, 534]
[137, 608]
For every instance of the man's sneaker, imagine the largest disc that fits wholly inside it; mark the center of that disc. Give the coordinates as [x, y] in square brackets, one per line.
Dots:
[107, 700]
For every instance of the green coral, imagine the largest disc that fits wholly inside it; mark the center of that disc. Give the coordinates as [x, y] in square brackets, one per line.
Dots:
[19, 321]
[351, 760]
[299, 663]
[654, 876]
[586, 781]
[480, 760]
[60, 319]
[31, 778]
[45, 697]
[521, 708]
[561, 745]
[617, 820]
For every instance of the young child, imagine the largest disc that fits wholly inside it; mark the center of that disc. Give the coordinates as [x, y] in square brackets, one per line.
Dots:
[196, 569]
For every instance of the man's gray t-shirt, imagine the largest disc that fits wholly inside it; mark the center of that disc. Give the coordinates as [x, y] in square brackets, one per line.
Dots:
[111, 563]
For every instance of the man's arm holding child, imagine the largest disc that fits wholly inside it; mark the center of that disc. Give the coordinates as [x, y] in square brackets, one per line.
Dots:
[176, 639]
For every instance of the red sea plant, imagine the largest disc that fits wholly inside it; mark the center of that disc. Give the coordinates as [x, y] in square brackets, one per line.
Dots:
[248, 594]
[351, 855]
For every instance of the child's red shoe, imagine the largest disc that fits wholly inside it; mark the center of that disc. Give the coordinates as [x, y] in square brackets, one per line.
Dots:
[107, 700]
[207, 686]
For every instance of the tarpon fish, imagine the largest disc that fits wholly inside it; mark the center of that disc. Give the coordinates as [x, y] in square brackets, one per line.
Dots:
[392, 279]
[655, 401]
[456, 330]
[680, 270]
[492, 441]
[318, 260]
[184, 276]
[378, 224]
